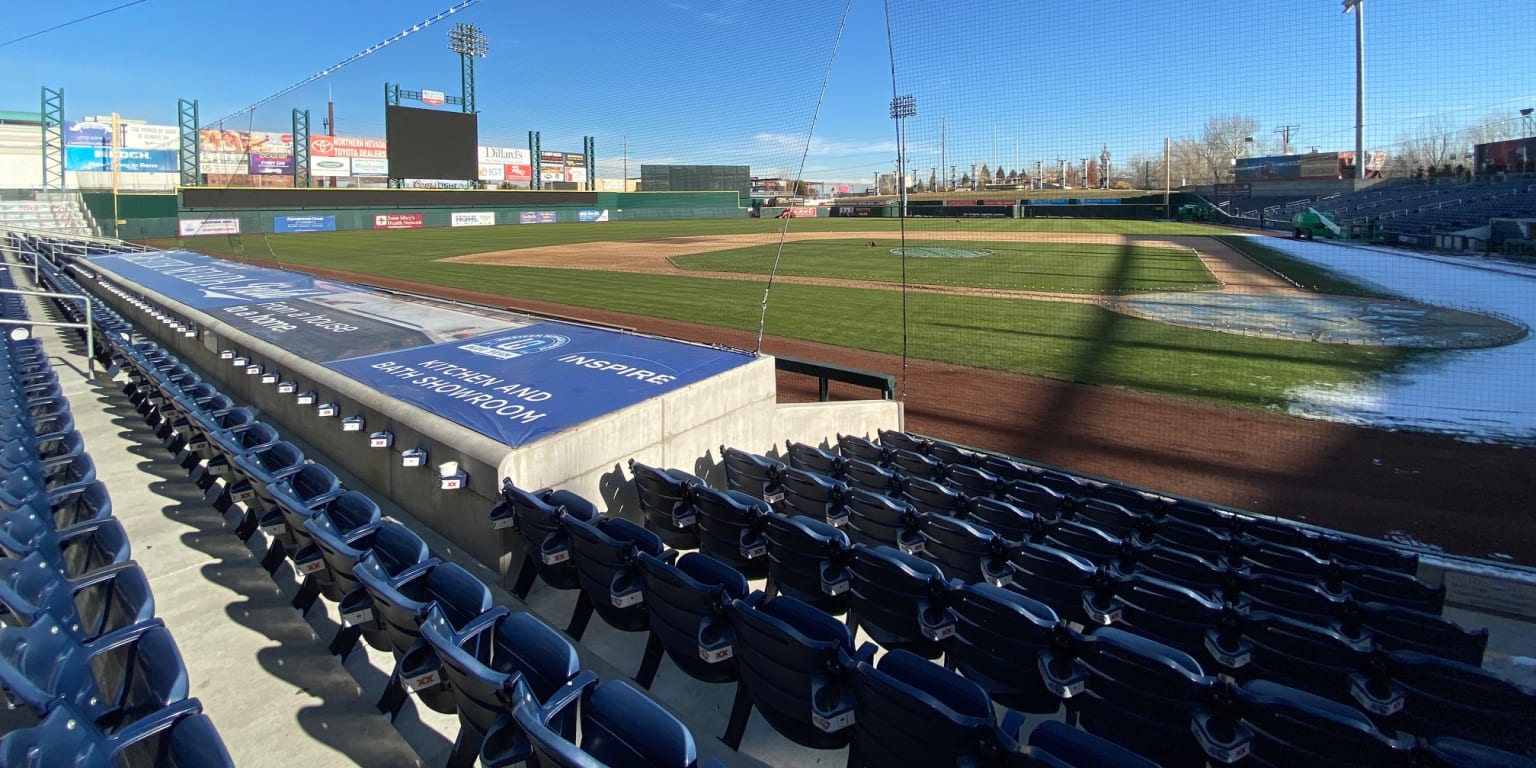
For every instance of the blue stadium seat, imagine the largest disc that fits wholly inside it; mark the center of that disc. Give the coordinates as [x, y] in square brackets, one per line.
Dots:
[933, 498]
[903, 441]
[537, 517]
[954, 456]
[688, 602]
[1280, 649]
[900, 601]
[1072, 586]
[1171, 614]
[731, 529]
[1004, 519]
[178, 736]
[1058, 745]
[788, 654]
[1114, 519]
[911, 711]
[813, 495]
[1006, 643]
[1458, 753]
[484, 661]
[1132, 500]
[1033, 498]
[395, 549]
[605, 550]
[112, 681]
[666, 500]
[334, 531]
[753, 474]
[808, 560]
[862, 448]
[1100, 547]
[402, 601]
[974, 483]
[294, 500]
[620, 728]
[1290, 727]
[912, 464]
[102, 601]
[809, 458]
[74, 552]
[1403, 629]
[871, 477]
[1442, 698]
[1379, 585]
[965, 551]
[875, 519]
[258, 471]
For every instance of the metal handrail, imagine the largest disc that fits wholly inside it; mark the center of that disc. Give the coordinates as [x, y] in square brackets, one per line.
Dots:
[88, 325]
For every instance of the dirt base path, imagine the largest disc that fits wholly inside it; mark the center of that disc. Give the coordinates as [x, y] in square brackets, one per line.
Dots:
[1466, 498]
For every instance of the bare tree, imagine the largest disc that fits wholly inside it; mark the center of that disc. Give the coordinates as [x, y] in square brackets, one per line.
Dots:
[1493, 128]
[1093, 174]
[1224, 140]
[1437, 143]
[984, 176]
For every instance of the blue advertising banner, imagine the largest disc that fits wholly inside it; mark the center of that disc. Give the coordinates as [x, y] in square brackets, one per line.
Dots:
[283, 225]
[83, 134]
[318, 319]
[81, 158]
[519, 386]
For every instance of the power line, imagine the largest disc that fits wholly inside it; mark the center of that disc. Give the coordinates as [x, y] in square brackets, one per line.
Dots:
[69, 23]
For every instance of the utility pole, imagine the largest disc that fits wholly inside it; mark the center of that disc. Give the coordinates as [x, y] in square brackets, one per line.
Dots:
[624, 185]
[1167, 175]
[1355, 5]
[1285, 132]
[953, 179]
[943, 144]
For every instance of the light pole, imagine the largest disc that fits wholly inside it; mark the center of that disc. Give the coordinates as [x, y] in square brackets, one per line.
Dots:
[469, 43]
[902, 107]
[1354, 5]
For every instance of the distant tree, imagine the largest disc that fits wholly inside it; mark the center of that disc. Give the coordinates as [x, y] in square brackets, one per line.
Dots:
[984, 175]
[1073, 179]
[965, 179]
[1223, 140]
[802, 189]
[933, 180]
[1093, 174]
[1433, 144]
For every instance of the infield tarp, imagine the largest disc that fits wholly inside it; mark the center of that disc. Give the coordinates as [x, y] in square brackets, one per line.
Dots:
[318, 319]
[538, 380]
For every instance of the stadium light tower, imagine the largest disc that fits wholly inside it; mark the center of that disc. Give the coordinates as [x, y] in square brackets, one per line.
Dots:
[902, 107]
[1355, 5]
[469, 43]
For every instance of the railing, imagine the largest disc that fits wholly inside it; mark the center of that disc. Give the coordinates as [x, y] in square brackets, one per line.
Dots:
[825, 372]
[23, 328]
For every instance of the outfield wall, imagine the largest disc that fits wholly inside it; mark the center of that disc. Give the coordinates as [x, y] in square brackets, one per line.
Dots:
[275, 210]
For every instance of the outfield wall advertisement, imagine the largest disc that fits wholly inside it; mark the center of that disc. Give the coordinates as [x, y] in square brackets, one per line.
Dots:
[472, 219]
[283, 225]
[397, 221]
[201, 227]
[509, 377]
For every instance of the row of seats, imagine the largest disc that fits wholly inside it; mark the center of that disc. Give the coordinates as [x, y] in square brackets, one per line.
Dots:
[795, 663]
[516, 683]
[93, 677]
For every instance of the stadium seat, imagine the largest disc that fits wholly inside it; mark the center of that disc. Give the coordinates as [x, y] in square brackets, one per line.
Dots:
[752, 474]
[688, 602]
[974, 483]
[537, 519]
[809, 458]
[875, 519]
[1442, 698]
[1173, 615]
[484, 661]
[788, 655]
[1114, 519]
[395, 549]
[954, 456]
[911, 711]
[814, 495]
[900, 601]
[903, 441]
[808, 560]
[1458, 753]
[1033, 498]
[1100, 547]
[605, 550]
[1403, 629]
[912, 464]
[335, 528]
[74, 552]
[112, 681]
[871, 477]
[930, 497]
[965, 551]
[1295, 653]
[258, 471]
[402, 601]
[1005, 643]
[177, 736]
[1289, 727]
[105, 600]
[666, 500]
[862, 448]
[731, 529]
[1072, 586]
[1004, 519]
[294, 500]
[1132, 500]
[620, 728]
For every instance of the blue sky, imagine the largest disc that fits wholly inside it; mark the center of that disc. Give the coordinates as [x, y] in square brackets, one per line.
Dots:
[732, 81]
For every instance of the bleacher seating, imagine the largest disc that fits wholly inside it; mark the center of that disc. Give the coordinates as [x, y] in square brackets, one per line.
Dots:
[1042, 590]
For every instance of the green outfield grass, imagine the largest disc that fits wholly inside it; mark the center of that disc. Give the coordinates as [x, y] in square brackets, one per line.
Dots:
[1019, 266]
[1072, 342]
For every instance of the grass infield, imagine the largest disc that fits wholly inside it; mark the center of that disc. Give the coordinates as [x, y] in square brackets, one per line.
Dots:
[1074, 342]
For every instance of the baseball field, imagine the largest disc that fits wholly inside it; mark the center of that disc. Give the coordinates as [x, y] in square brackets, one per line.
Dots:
[1014, 296]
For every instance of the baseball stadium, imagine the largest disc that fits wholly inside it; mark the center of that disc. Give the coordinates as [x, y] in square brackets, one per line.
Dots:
[724, 384]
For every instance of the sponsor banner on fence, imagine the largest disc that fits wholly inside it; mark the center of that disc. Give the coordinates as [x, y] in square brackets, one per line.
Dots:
[519, 172]
[397, 221]
[799, 212]
[558, 174]
[370, 166]
[578, 175]
[472, 219]
[575, 161]
[347, 146]
[552, 158]
[318, 319]
[433, 98]
[272, 165]
[330, 166]
[82, 134]
[492, 172]
[518, 386]
[223, 162]
[589, 216]
[283, 225]
[200, 227]
[151, 137]
[505, 155]
[128, 160]
[536, 217]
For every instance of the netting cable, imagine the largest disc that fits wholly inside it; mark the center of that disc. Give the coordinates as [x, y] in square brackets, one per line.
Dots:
[762, 318]
[901, 183]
